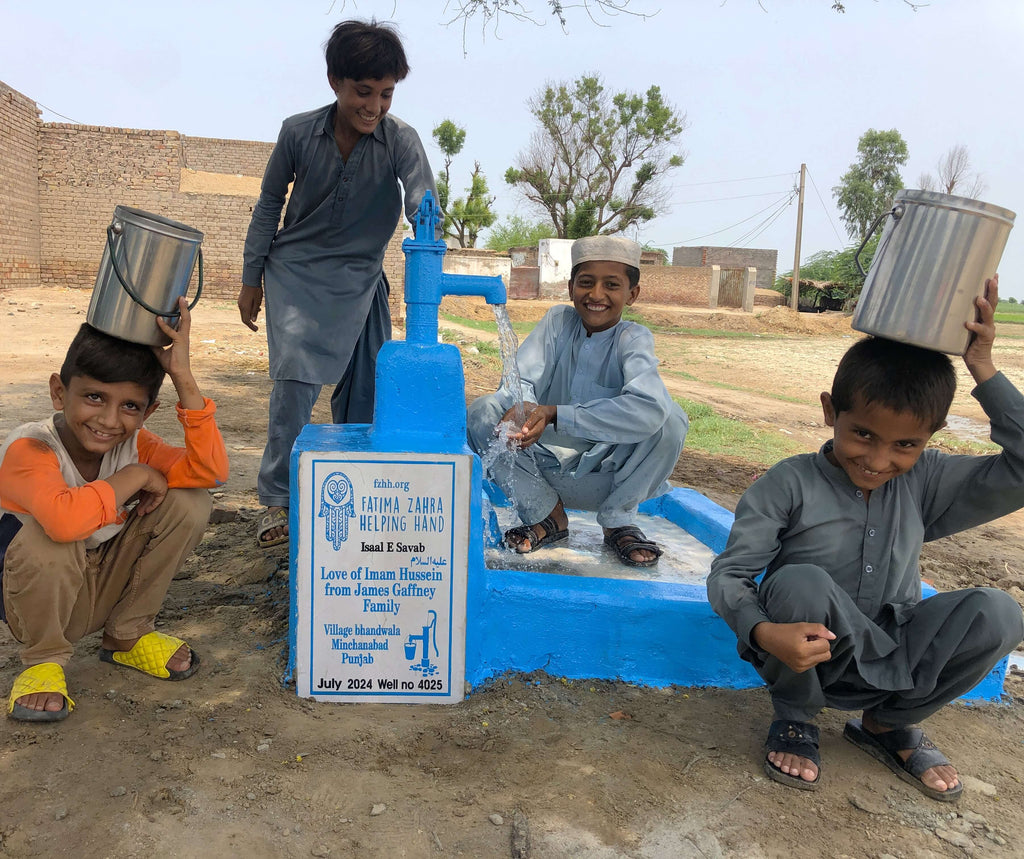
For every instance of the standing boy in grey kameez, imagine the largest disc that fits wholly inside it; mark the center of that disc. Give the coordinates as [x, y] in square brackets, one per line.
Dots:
[601, 431]
[322, 271]
[838, 619]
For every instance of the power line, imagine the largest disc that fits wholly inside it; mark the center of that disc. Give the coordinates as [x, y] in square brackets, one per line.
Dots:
[827, 215]
[786, 199]
[758, 229]
[61, 115]
[720, 199]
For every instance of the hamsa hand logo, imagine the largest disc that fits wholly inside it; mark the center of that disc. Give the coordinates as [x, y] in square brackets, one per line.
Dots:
[337, 506]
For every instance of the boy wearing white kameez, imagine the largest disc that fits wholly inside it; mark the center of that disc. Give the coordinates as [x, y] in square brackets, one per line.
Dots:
[601, 431]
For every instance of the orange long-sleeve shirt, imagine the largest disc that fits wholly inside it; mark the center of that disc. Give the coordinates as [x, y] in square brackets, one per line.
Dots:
[32, 482]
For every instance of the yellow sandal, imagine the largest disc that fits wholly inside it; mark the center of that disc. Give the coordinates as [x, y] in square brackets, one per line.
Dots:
[45, 677]
[150, 655]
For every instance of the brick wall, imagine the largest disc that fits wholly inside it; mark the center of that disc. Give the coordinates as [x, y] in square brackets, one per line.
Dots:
[671, 284]
[763, 259]
[60, 183]
[19, 190]
[234, 157]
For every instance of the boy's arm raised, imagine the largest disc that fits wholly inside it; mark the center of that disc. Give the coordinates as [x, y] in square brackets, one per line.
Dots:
[175, 359]
[978, 357]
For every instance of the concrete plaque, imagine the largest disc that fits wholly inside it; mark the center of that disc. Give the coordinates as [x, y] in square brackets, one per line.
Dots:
[379, 596]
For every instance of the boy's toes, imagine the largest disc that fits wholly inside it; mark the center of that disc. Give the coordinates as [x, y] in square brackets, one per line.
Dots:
[51, 701]
[940, 778]
[181, 660]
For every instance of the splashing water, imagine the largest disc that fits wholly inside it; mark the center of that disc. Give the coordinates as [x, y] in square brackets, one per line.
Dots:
[508, 343]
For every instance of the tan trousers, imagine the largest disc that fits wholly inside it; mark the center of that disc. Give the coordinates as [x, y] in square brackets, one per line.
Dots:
[57, 593]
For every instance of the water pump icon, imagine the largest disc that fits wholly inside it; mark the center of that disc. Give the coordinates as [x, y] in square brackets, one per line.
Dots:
[428, 637]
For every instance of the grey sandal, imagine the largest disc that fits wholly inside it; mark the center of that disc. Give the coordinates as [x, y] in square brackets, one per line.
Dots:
[885, 747]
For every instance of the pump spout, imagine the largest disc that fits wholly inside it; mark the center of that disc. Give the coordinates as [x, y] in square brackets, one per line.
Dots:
[492, 289]
[425, 282]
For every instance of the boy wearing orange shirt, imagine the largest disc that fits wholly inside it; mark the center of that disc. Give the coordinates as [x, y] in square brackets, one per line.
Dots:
[74, 558]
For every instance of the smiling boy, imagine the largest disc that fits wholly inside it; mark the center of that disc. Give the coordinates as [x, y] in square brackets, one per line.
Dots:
[74, 558]
[601, 431]
[321, 272]
[838, 620]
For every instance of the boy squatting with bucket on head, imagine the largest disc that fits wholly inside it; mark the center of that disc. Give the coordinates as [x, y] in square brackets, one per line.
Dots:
[322, 273]
[73, 558]
[838, 620]
[601, 431]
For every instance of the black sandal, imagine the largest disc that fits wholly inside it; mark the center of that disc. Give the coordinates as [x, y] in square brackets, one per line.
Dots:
[522, 533]
[886, 746]
[614, 540]
[793, 738]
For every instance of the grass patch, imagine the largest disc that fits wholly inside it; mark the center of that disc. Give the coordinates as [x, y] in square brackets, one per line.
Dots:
[1013, 318]
[521, 328]
[682, 374]
[711, 433]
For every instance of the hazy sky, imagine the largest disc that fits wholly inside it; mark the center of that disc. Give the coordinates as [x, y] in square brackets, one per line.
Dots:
[765, 86]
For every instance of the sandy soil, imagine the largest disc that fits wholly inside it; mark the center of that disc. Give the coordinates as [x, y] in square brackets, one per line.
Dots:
[232, 763]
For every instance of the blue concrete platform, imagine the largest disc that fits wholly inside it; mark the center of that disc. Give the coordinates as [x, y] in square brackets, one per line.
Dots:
[653, 633]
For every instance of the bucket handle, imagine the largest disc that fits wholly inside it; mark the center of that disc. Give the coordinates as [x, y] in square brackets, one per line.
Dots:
[127, 287]
[897, 213]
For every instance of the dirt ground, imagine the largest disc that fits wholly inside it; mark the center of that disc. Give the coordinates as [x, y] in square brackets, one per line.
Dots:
[232, 763]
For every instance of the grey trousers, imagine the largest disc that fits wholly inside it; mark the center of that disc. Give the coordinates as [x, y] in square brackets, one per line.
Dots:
[900, 672]
[535, 483]
[291, 403]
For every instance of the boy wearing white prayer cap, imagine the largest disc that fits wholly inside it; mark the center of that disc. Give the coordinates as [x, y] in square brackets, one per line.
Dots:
[601, 431]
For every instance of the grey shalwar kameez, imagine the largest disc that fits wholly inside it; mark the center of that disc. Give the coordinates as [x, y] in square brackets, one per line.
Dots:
[834, 559]
[618, 432]
[322, 271]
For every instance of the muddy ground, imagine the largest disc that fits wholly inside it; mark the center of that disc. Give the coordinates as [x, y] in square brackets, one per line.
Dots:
[232, 763]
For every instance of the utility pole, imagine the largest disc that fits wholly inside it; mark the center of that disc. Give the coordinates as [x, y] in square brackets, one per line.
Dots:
[794, 296]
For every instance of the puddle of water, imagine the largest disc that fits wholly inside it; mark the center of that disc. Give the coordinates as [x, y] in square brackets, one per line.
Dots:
[686, 559]
[967, 429]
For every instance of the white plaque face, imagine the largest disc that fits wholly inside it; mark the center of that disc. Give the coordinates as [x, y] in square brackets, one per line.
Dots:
[379, 599]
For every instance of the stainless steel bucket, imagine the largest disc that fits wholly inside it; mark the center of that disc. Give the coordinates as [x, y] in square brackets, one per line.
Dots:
[932, 261]
[147, 265]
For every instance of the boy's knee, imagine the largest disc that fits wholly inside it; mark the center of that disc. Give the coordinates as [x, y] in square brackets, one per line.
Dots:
[673, 434]
[34, 545]
[797, 593]
[1000, 617]
[482, 416]
[190, 507]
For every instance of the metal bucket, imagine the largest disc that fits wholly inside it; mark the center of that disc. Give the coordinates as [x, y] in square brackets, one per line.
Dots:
[932, 261]
[146, 266]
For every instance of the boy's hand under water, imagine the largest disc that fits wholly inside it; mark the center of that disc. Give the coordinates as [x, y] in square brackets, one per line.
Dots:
[537, 420]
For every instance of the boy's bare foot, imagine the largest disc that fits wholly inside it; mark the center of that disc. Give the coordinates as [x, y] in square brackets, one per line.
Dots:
[528, 538]
[939, 778]
[180, 661]
[794, 765]
[52, 701]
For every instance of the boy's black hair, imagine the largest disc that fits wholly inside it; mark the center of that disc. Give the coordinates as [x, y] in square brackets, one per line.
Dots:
[110, 359]
[632, 272]
[365, 49]
[899, 376]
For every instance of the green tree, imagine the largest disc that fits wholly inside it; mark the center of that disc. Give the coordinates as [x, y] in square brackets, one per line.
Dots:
[597, 159]
[517, 232]
[836, 268]
[867, 189]
[464, 217]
